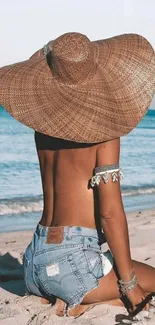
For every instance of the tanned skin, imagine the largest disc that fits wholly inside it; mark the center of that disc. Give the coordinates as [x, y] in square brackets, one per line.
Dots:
[69, 201]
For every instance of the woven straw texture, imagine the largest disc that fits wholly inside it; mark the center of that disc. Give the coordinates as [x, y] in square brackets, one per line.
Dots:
[90, 91]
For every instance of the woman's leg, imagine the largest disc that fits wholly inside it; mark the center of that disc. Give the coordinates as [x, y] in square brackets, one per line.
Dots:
[108, 290]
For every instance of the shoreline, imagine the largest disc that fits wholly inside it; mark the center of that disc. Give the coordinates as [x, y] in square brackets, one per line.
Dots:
[150, 213]
[19, 309]
[128, 214]
[17, 223]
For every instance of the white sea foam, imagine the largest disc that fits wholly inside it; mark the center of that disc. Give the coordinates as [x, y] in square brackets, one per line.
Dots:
[139, 191]
[18, 208]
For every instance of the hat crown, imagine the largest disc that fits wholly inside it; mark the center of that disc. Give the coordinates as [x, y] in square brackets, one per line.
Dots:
[72, 58]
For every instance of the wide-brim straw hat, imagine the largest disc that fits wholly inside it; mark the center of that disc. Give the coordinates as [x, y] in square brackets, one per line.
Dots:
[80, 90]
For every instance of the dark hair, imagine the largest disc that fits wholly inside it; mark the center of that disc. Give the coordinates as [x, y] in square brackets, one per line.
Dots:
[46, 142]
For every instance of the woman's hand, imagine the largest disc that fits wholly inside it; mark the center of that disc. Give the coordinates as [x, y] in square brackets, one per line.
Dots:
[136, 296]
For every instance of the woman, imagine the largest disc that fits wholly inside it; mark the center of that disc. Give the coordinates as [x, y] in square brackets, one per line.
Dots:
[81, 97]
[66, 168]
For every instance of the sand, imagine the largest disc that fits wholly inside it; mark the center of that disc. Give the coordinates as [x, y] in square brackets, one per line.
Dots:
[17, 309]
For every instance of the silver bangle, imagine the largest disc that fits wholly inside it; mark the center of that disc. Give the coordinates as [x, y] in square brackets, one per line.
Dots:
[126, 286]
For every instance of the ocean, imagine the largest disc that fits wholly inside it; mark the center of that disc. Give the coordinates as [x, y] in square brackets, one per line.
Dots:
[20, 184]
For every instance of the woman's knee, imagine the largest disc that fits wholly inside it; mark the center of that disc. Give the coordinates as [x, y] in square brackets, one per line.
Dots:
[145, 275]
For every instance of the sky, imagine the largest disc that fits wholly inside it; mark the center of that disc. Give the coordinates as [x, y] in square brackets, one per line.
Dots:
[27, 25]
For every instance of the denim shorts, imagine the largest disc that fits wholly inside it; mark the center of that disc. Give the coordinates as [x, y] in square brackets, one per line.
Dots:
[66, 262]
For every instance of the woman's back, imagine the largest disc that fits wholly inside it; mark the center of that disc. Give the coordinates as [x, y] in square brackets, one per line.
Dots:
[66, 169]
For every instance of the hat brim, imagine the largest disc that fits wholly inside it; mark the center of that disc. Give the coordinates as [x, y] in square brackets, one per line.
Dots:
[103, 107]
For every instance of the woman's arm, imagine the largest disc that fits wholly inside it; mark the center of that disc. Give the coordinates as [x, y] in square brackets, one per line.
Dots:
[113, 218]
[114, 223]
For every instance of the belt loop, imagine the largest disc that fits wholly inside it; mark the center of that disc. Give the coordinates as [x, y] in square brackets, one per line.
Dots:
[85, 243]
[69, 234]
[37, 230]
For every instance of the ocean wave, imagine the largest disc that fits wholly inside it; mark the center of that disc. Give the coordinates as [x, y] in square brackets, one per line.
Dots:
[18, 205]
[139, 191]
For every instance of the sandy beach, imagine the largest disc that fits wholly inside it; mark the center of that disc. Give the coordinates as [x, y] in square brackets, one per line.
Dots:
[15, 308]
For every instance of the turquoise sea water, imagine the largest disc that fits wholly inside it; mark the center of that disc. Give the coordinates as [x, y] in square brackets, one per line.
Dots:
[20, 185]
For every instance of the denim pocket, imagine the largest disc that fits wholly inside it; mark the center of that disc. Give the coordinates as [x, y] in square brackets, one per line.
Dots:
[61, 278]
[94, 263]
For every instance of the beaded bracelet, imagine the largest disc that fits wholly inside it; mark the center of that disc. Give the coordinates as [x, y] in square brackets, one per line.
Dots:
[126, 286]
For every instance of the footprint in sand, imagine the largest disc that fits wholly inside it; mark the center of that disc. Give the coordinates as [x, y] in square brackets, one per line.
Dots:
[147, 225]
